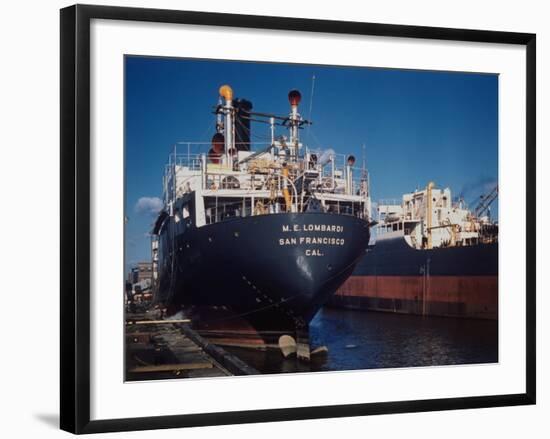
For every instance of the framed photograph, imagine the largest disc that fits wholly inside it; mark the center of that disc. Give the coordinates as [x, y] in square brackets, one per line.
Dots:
[268, 218]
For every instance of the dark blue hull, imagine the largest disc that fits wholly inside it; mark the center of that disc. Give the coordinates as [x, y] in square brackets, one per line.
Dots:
[275, 271]
[394, 257]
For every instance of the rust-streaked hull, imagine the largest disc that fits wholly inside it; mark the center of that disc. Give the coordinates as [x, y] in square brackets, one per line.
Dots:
[393, 277]
[454, 296]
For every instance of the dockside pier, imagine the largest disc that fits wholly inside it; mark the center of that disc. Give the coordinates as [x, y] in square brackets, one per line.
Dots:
[158, 348]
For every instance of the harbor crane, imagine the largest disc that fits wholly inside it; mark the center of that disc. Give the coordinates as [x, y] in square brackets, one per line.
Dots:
[485, 202]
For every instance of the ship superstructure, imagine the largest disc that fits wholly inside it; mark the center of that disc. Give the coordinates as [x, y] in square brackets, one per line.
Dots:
[429, 218]
[266, 232]
[431, 256]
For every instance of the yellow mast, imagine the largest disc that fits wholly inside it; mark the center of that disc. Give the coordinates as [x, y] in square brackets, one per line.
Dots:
[429, 188]
[286, 193]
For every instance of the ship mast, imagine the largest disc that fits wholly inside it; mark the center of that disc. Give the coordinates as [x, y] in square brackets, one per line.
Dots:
[294, 119]
[429, 212]
[227, 93]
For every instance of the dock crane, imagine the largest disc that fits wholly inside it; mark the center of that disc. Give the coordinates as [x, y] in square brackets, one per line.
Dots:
[485, 202]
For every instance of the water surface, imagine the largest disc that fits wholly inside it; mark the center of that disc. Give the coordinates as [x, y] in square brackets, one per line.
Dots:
[372, 340]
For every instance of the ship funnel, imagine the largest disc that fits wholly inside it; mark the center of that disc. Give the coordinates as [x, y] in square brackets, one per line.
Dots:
[242, 123]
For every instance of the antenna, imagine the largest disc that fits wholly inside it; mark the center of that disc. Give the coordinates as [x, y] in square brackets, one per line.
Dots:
[310, 104]
[364, 161]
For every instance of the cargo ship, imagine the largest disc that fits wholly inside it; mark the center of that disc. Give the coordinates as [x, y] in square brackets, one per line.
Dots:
[430, 257]
[257, 236]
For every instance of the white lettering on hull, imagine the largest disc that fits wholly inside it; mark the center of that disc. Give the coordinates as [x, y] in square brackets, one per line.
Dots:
[312, 240]
[316, 240]
[333, 228]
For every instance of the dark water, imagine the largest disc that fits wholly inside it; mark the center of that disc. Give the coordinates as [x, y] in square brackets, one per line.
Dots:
[372, 340]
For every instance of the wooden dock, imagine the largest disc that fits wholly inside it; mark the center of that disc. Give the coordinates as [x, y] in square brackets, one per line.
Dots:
[167, 349]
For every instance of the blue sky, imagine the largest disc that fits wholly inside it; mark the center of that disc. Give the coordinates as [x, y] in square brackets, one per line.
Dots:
[417, 126]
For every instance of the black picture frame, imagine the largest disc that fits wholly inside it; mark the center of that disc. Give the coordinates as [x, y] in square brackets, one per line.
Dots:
[75, 217]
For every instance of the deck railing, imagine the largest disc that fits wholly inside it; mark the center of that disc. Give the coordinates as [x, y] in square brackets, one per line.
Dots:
[218, 210]
[193, 156]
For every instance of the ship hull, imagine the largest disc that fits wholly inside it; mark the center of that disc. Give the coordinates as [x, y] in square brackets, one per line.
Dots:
[455, 281]
[272, 271]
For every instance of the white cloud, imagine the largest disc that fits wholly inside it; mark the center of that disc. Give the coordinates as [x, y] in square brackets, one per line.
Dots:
[148, 205]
